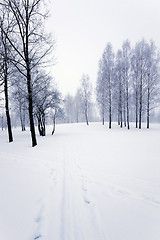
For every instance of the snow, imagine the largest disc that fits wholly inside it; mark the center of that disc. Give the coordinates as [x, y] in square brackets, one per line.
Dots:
[83, 183]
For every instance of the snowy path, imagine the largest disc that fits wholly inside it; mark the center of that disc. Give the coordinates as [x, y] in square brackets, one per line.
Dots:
[78, 211]
[81, 184]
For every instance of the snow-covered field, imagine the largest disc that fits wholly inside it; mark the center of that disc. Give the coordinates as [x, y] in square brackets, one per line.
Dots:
[83, 183]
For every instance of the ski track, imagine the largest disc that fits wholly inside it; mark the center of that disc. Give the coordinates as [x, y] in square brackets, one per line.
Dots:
[75, 191]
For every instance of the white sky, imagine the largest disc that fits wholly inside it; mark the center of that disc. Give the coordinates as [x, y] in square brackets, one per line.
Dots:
[83, 28]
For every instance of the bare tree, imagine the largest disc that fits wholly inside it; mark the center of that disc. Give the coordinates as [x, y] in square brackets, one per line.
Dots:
[146, 63]
[56, 108]
[135, 83]
[152, 80]
[78, 105]
[69, 108]
[129, 83]
[101, 90]
[108, 59]
[29, 42]
[139, 65]
[86, 95]
[126, 51]
[118, 86]
[5, 71]
[42, 98]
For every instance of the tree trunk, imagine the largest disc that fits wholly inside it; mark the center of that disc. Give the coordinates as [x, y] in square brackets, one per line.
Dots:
[29, 85]
[127, 103]
[140, 104]
[10, 136]
[140, 115]
[136, 102]
[86, 116]
[124, 111]
[2, 123]
[77, 116]
[86, 112]
[103, 120]
[136, 109]
[32, 128]
[54, 124]
[22, 117]
[118, 120]
[120, 107]
[5, 69]
[148, 98]
[103, 115]
[110, 119]
[118, 116]
[41, 124]
[110, 106]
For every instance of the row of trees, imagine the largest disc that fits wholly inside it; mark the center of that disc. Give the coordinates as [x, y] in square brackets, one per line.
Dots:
[25, 50]
[48, 103]
[127, 87]
[128, 83]
[80, 108]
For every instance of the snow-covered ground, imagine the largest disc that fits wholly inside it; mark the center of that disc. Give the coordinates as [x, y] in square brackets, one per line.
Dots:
[83, 183]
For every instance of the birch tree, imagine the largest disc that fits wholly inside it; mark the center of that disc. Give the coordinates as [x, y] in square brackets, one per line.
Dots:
[126, 53]
[86, 89]
[152, 80]
[108, 61]
[101, 90]
[118, 87]
[139, 66]
[78, 105]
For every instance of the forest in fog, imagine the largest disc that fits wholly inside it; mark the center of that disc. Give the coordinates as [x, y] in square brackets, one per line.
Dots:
[127, 87]
[126, 90]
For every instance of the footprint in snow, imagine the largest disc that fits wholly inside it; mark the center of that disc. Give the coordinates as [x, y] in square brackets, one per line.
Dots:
[37, 237]
[38, 219]
[87, 201]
